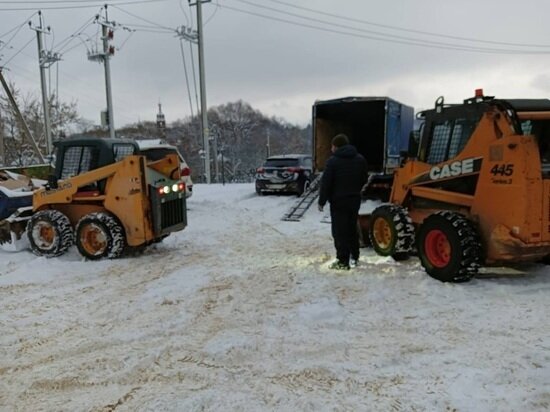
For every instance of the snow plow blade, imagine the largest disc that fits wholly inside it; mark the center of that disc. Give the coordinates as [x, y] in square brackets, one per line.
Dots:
[12, 230]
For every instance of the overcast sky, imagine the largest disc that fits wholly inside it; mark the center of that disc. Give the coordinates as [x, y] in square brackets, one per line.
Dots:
[282, 55]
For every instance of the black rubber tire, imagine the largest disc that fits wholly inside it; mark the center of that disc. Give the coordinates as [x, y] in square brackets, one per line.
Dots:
[401, 236]
[259, 191]
[58, 226]
[112, 236]
[466, 252]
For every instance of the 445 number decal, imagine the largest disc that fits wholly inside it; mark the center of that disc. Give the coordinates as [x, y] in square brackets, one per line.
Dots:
[505, 169]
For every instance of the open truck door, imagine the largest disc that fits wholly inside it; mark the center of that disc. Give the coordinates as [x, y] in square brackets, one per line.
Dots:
[378, 127]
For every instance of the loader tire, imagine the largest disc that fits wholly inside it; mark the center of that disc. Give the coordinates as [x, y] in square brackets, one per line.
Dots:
[100, 235]
[50, 233]
[391, 231]
[449, 247]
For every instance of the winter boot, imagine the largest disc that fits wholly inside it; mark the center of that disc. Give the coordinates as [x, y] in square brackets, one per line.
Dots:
[337, 265]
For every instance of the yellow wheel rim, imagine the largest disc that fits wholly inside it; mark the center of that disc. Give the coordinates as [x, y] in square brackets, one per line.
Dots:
[93, 239]
[44, 235]
[382, 233]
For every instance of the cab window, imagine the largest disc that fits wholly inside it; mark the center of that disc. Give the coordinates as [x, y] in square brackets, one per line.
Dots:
[437, 151]
[120, 151]
[449, 139]
[77, 160]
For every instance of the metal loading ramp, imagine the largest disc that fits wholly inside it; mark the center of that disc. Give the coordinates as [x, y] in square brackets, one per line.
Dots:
[302, 204]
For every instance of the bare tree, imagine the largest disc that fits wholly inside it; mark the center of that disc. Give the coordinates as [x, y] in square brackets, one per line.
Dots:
[17, 149]
[241, 132]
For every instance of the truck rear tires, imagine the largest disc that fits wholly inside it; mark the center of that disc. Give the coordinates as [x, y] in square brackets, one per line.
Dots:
[50, 233]
[391, 231]
[100, 235]
[449, 247]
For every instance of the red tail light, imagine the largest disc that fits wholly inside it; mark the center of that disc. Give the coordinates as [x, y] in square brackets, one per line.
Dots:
[185, 171]
[260, 170]
[293, 169]
[181, 186]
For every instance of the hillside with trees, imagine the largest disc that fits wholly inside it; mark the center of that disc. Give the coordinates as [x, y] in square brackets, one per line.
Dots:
[240, 136]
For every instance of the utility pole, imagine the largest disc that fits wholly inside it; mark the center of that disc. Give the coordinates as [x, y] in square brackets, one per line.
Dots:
[107, 32]
[45, 60]
[205, 131]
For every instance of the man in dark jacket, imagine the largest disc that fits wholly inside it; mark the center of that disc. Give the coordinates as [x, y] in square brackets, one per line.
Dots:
[344, 176]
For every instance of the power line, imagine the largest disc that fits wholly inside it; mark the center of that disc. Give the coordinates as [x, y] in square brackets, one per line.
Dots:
[194, 76]
[387, 26]
[157, 31]
[427, 42]
[346, 27]
[213, 13]
[146, 29]
[95, 5]
[65, 42]
[410, 42]
[142, 26]
[142, 19]
[186, 78]
[180, 3]
[131, 32]
[65, 52]
[88, 94]
[19, 51]
[17, 29]
[39, 2]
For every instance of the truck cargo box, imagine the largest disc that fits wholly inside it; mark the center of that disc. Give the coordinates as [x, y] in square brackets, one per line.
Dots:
[379, 127]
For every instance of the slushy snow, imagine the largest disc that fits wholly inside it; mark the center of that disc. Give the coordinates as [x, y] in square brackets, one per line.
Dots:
[239, 312]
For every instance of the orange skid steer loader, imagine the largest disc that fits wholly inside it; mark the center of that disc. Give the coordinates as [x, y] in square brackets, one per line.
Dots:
[104, 197]
[473, 190]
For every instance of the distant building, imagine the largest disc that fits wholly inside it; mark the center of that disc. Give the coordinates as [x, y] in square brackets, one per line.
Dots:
[161, 123]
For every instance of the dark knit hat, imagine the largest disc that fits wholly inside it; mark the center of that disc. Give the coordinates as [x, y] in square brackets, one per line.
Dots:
[340, 140]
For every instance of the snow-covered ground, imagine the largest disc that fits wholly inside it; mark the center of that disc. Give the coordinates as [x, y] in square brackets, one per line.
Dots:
[239, 313]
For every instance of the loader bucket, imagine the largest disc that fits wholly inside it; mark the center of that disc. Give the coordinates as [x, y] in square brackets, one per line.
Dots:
[12, 231]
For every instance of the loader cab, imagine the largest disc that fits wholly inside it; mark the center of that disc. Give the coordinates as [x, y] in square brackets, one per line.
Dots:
[446, 129]
[76, 156]
[80, 155]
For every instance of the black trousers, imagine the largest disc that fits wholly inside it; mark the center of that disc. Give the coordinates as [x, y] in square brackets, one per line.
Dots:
[343, 217]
